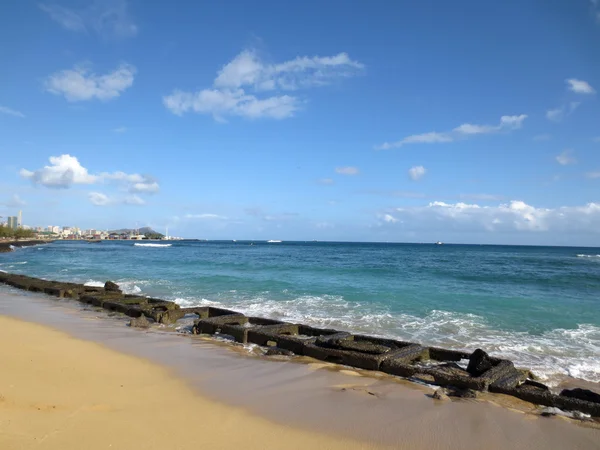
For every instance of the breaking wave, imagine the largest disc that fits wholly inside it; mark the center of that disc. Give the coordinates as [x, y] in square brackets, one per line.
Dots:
[152, 245]
[552, 355]
[588, 256]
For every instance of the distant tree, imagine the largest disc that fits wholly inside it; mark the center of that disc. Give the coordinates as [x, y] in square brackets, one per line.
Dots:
[19, 233]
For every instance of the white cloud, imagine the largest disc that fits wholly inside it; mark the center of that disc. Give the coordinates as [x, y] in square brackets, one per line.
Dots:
[326, 181]
[593, 174]
[205, 216]
[558, 114]
[247, 69]
[134, 200]
[507, 123]
[247, 72]
[79, 84]
[14, 202]
[389, 218]
[508, 217]
[98, 199]
[233, 103]
[108, 18]
[566, 158]
[119, 130]
[596, 139]
[66, 170]
[11, 112]
[579, 86]
[348, 170]
[417, 172]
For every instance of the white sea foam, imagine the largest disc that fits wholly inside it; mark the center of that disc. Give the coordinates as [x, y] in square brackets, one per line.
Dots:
[551, 355]
[128, 287]
[18, 263]
[152, 245]
[588, 256]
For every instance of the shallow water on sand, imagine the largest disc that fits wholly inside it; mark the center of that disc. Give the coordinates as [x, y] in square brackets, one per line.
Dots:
[368, 406]
[539, 306]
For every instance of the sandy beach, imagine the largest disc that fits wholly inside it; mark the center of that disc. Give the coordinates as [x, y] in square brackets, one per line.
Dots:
[58, 392]
[73, 374]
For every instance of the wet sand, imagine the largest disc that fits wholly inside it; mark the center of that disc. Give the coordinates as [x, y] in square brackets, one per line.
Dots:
[310, 401]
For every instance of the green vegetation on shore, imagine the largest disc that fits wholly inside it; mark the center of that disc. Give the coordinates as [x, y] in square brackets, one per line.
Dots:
[19, 233]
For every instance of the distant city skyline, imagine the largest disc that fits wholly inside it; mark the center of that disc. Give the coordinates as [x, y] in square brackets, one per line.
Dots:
[470, 123]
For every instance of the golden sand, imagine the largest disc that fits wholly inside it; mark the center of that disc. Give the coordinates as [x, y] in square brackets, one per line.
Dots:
[58, 392]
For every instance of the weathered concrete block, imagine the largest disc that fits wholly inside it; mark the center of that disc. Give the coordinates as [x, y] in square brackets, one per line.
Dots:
[212, 325]
[202, 312]
[239, 331]
[291, 337]
[453, 375]
[400, 363]
[364, 352]
[443, 354]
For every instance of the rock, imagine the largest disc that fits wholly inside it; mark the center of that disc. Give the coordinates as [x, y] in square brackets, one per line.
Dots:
[440, 394]
[275, 351]
[462, 393]
[581, 394]
[109, 286]
[479, 362]
[536, 384]
[424, 377]
[139, 322]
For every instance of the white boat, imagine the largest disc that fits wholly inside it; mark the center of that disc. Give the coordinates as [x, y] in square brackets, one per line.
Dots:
[274, 241]
[439, 243]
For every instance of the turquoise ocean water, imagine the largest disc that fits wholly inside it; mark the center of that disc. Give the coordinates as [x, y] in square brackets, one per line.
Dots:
[539, 306]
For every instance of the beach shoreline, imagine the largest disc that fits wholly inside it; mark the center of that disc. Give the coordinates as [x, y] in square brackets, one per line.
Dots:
[311, 397]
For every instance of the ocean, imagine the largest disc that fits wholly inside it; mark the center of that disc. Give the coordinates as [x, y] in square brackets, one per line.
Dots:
[538, 306]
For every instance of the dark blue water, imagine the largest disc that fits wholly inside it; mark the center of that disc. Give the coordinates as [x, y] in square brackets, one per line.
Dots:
[539, 306]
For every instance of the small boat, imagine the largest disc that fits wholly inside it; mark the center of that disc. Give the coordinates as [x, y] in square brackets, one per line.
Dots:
[94, 241]
[274, 241]
[439, 243]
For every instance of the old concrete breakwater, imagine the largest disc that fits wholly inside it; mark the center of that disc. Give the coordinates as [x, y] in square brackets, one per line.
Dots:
[405, 359]
[7, 246]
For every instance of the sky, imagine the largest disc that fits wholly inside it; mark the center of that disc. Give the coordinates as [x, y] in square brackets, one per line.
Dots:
[399, 121]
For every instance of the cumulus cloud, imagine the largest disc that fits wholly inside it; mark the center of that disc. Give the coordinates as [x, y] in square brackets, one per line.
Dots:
[79, 84]
[507, 123]
[66, 170]
[107, 18]
[348, 170]
[63, 171]
[506, 217]
[566, 158]
[11, 112]
[417, 172]
[579, 86]
[240, 86]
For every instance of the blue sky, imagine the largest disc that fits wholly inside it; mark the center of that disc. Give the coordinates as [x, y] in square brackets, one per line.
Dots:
[468, 121]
